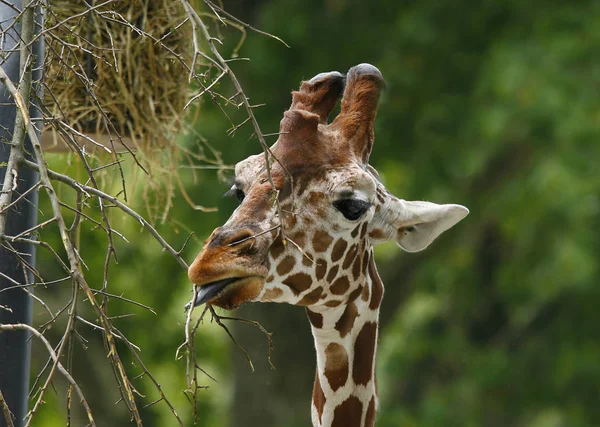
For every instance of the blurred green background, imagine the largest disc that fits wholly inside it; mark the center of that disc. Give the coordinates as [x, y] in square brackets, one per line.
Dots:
[494, 105]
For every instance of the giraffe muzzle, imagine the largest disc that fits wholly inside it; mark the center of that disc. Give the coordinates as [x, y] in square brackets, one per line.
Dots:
[210, 290]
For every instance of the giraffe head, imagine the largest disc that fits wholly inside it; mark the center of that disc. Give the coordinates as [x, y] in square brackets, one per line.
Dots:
[308, 240]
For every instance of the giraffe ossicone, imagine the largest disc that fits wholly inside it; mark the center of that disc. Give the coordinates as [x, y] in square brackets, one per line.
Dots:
[320, 253]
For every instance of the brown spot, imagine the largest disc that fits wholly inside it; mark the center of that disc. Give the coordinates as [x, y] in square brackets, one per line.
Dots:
[298, 282]
[277, 248]
[363, 230]
[376, 285]
[286, 265]
[332, 273]
[311, 297]
[336, 365]
[299, 239]
[356, 268]
[380, 198]
[340, 286]
[364, 354]
[321, 269]
[346, 320]
[350, 256]
[365, 293]
[271, 294]
[377, 234]
[348, 414]
[338, 250]
[306, 261]
[354, 294]
[365, 262]
[318, 396]
[316, 319]
[333, 303]
[321, 241]
[315, 197]
[290, 221]
[269, 279]
[354, 232]
[370, 418]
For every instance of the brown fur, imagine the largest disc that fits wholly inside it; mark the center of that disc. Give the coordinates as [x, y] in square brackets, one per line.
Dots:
[298, 282]
[336, 365]
[286, 265]
[340, 286]
[346, 321]
[348, 413]
[377, 285]
[364, 354]
[321, 241]
[316, 319]
[338, 250]
[370, 418]
[311, 297]
[318, 397]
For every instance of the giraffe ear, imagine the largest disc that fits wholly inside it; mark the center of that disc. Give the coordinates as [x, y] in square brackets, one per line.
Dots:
[420, 223]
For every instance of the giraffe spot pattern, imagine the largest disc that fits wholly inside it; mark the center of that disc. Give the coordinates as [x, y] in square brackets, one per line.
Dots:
[346, 320]
[271, 294]
[348, 413]
[355, 294]
[333, 303]
[365, 293]
[338, 250]
[354, 232]
[364, 354]
[332, 273]
[377, 234]
[277, 248]
[356, 268]
[352, 252]
[340, 286]
[376, 285]
[370, 418]
[321, 269]
[298, 282]
[318, 397]
[311, 297]
[321, 241]
[286, 265]
[299, 239]
[306, 261]
[365, 263]
[316, 319]
[336, 365]
[363, 230]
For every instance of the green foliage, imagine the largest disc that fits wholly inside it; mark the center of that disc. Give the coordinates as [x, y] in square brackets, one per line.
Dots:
[489, 104]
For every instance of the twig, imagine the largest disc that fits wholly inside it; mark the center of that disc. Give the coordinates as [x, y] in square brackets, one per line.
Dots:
[62, 370]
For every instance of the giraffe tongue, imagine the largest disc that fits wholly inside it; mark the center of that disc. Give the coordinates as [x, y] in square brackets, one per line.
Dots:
[206, 292]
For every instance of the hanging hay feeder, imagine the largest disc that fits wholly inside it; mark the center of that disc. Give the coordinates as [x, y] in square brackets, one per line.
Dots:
[120, 80]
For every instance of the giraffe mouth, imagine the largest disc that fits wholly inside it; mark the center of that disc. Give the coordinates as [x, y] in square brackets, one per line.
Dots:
[210, 290]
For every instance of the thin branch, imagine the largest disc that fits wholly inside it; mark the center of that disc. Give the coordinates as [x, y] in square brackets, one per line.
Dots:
[62, 370]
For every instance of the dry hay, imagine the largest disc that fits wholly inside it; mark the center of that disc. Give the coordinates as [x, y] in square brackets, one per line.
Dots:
[122, 73]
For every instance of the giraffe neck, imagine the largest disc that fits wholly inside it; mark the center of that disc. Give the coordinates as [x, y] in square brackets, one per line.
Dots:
[345, 337]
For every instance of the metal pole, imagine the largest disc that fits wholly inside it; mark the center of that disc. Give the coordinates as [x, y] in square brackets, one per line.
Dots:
[16, 304]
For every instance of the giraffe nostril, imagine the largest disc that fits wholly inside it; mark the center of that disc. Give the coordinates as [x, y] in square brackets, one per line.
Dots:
[233, 238]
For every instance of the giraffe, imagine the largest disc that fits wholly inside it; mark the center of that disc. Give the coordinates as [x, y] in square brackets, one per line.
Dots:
[309, 241]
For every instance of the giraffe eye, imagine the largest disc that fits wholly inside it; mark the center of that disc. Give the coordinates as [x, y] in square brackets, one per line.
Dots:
[352, 209]
[239, 194]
